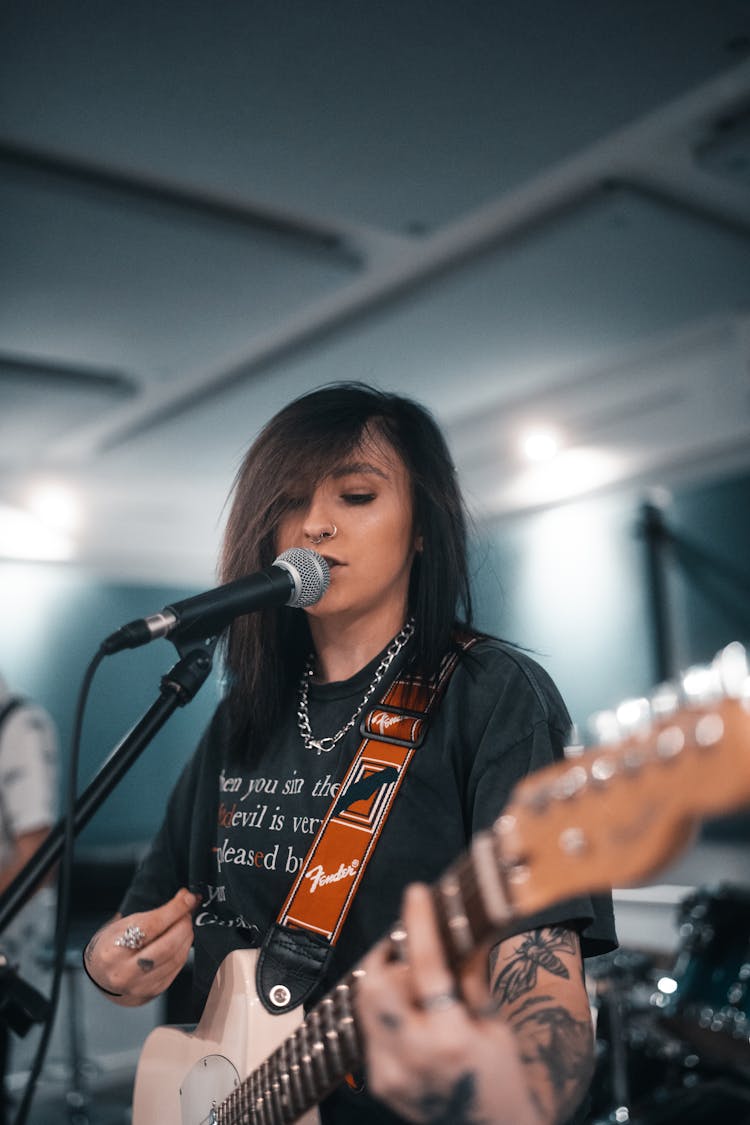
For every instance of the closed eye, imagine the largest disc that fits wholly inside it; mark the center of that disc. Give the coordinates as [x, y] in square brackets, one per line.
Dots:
[358, 497]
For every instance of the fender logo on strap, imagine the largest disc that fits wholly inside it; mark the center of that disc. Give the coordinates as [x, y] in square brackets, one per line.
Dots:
[318, 877]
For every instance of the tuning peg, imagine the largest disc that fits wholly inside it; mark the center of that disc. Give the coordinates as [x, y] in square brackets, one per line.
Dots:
[634, 716]
[605, 728]
[702, 684]
[574, 747]
[665, 701]
[731, 667]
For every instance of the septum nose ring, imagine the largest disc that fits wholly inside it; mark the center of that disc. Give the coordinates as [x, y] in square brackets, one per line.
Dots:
[317, 539]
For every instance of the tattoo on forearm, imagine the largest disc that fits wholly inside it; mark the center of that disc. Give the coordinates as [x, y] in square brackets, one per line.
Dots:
[454, 1108]
[537, 951]
[529, 1002]
[562, 1044]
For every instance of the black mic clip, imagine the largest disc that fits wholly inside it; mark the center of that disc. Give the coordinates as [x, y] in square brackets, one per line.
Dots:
[21, 1005]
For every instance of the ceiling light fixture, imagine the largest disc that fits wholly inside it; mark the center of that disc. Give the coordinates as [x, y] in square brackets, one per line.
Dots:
[540, 443]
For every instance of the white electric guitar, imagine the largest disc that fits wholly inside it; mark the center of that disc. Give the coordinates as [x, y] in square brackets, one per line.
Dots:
[611, 815]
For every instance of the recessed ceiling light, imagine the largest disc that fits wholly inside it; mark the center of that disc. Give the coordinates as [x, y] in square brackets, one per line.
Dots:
[540, 443]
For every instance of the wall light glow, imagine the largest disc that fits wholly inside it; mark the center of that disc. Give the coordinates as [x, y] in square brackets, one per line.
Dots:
[572, 473]
[24, 536]
[55, 505]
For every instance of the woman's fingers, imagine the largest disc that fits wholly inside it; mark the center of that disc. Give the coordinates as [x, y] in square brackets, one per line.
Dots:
[141, 954]
[432, 983]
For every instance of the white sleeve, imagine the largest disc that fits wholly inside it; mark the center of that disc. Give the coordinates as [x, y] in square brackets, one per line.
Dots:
[28, 770]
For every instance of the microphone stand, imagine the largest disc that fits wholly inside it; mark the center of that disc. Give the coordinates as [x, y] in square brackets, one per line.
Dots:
[178, 687]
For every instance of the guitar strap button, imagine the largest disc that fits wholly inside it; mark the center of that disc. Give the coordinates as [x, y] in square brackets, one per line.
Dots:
[279, 995]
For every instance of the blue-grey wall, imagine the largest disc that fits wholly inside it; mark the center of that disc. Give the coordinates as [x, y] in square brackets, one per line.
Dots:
[52, 621]
[711, 561]
[571, 584]
[568, 583]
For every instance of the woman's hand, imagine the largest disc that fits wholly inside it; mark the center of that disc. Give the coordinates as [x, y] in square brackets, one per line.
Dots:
[135, 958]
[428, 1056]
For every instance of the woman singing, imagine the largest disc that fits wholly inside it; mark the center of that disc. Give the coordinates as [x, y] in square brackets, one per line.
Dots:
[364, 479]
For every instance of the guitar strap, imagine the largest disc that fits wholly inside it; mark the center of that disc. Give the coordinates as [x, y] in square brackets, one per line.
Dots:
[299, 945]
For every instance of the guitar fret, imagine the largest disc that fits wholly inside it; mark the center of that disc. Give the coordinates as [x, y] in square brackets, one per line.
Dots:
[241, 1114]
[255, 1098]
[266, 1093]
[230, 1105]
[241, 1099]
[277, 1108]
[306, 1062]
[346, 1023]
[258, 1113]
[297, 1089]
[333, 1046]
[317, 1049]
[287, 1093]
[286, 1096]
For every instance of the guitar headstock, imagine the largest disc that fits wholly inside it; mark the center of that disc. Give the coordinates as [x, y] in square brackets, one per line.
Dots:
[617, 812]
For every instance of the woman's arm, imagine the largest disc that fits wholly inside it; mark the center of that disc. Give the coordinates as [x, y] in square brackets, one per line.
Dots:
[537, 983]
[520, 1054]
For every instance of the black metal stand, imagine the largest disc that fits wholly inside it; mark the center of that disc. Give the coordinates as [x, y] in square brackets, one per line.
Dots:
[658, 539]
[178, 687]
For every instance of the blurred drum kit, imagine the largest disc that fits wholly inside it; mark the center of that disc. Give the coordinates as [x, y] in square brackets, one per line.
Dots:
[673, 1040]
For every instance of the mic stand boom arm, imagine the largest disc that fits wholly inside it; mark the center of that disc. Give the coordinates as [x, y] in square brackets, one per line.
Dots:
[178, 687]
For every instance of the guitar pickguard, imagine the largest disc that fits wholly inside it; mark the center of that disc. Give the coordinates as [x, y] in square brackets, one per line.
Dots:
[206, 1085]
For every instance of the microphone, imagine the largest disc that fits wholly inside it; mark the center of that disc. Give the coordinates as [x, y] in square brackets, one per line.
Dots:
[298, 577]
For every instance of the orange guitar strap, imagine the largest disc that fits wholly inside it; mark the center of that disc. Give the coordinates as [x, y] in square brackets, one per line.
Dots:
[298, 946]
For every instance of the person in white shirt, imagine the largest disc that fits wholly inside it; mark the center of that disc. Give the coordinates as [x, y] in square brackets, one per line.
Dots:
[28, 801]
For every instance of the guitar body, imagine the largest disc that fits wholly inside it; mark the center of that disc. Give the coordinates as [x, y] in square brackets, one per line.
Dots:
[182, 1074]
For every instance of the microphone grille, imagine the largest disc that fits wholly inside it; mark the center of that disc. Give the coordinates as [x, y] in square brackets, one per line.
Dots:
[310, 574]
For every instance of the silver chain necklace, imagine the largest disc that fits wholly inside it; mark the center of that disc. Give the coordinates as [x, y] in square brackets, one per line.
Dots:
[325, 745]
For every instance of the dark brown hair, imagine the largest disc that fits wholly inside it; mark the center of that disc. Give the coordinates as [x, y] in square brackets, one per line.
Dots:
[265, 652]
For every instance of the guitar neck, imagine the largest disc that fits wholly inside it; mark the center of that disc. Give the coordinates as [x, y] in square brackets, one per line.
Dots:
[327, 1045]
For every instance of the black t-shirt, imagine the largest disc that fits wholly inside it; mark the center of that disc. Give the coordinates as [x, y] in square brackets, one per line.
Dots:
[237, 835]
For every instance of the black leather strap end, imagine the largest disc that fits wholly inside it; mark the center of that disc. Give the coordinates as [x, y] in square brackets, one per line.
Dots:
[290, 966]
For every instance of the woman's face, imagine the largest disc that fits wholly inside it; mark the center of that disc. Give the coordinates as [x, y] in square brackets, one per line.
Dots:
[367, 498]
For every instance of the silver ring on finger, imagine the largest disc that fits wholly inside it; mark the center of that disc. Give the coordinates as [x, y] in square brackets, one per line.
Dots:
[398, 941]
[131, 938]
[439, 1002]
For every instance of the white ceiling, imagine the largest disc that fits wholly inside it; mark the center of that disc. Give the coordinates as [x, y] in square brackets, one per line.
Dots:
[513, 210]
